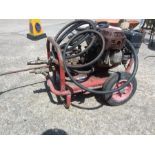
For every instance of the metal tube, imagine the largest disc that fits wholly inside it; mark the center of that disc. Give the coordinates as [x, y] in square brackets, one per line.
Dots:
[57, 92]
[23, 70]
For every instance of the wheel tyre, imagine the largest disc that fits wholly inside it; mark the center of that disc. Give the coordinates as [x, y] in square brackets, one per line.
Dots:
[109, 84]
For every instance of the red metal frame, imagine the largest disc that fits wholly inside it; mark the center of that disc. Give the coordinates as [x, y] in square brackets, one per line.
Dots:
[129, 66]
[69, 88]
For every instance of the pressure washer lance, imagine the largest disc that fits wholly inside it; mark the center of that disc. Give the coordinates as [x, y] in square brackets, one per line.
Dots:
[36, 62]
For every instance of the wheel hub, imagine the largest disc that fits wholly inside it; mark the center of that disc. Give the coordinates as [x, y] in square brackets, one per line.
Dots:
[124, 93]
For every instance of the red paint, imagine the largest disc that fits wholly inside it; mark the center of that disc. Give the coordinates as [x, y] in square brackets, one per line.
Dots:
[60, 61]
[129, 66]
[124, 93]
[92, 82]
[68, 101]
[56, 92]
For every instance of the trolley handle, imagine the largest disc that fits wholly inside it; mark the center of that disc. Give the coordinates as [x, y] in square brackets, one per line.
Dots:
[51, 41]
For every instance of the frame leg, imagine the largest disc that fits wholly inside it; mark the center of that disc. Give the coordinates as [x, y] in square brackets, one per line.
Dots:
[68, 101]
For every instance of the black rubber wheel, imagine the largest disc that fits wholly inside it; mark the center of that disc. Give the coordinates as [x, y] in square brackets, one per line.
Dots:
[122, 96]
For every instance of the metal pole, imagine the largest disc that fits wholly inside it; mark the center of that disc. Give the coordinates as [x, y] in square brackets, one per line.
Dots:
[23, 70]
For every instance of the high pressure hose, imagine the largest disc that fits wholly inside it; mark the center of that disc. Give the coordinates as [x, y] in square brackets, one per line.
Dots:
[100, 36]
[106, 91]
[76, 40]
[71, 27]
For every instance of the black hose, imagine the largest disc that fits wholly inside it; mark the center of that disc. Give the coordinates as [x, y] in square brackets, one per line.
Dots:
[78, 41]
[66, 30]
[84, 51]
[94, 60]
[106, 91]
[81, 39]
[77, 22]
[70, 28]
[88, 71]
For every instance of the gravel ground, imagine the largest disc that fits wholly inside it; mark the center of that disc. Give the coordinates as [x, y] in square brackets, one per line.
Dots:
[26, 108]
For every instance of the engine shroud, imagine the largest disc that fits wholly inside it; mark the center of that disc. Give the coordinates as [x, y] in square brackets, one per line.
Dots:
[114, 38]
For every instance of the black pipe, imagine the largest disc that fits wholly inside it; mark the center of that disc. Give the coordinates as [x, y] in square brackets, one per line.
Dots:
[107, 91]
[74, 23]
[97, 57]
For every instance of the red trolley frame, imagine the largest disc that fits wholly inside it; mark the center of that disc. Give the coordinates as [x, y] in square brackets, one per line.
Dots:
[68, 88]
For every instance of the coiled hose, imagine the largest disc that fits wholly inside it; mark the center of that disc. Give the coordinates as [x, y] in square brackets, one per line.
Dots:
[89, 64]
